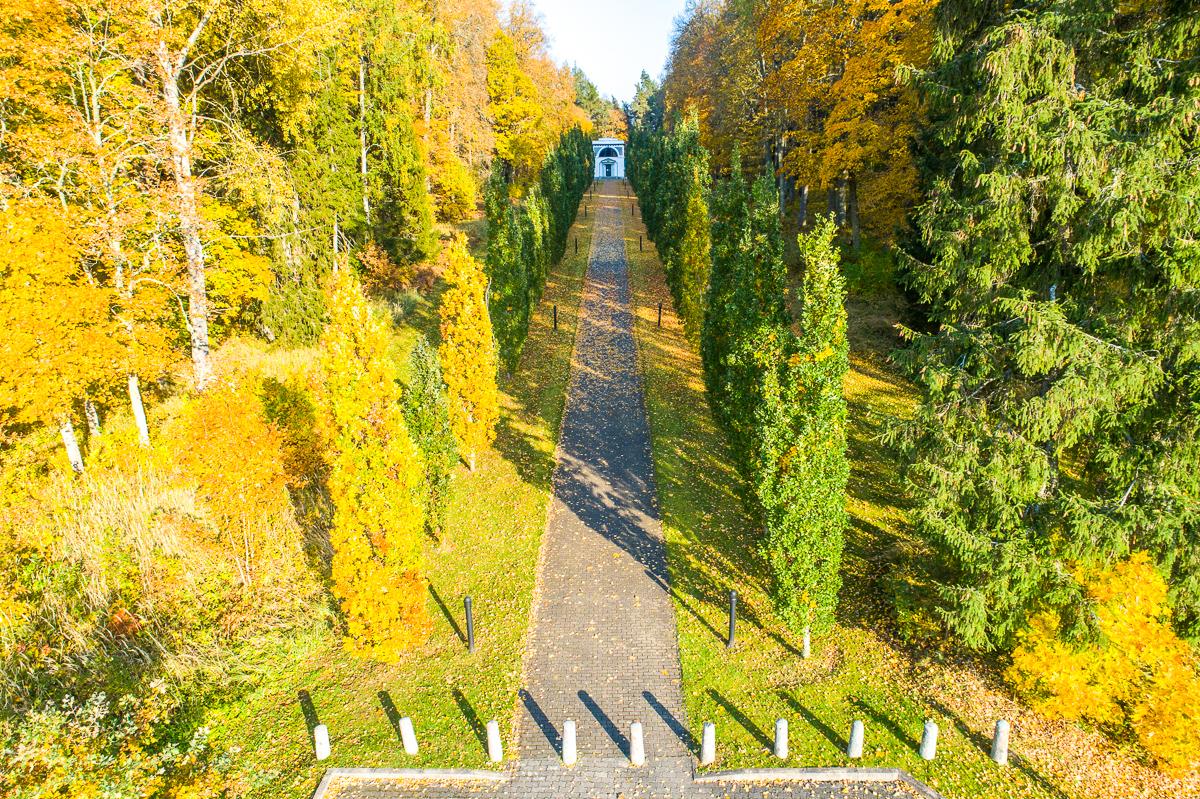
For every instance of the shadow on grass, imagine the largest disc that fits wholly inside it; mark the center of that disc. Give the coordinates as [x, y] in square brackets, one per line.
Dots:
[477, 726]
[437, 598]
[391, 711]
[981, 741]
[811, 718]
[741, 718]
[309, 710]
[887, 722]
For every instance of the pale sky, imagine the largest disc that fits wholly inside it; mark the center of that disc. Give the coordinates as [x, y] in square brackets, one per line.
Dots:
[611, 40]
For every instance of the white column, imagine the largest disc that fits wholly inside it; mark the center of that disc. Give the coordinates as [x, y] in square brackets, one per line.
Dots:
[708, 744]
[855, 748]
[495, 750]
[568, 743]
[408, 736]
[929, 741]
[321, 741]
[781, 739]
[637, 745]
[1000, 743]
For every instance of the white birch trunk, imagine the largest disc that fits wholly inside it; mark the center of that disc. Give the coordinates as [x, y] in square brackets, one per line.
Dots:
[362, 135]
[180, 144]
[139, 410]
[67, 430]
[93, 418]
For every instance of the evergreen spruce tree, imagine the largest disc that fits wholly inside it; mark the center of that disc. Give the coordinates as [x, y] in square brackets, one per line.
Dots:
[1059, 422]
[428, 417]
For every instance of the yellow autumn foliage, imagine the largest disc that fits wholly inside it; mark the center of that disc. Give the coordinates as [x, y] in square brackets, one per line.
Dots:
[1140, 673]
[375, 481]
[468, 354]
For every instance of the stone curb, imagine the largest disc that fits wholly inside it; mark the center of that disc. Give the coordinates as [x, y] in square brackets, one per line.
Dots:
[416, 774]
[821, 775]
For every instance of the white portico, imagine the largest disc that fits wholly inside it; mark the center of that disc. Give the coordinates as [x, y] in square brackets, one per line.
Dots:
[610, 158]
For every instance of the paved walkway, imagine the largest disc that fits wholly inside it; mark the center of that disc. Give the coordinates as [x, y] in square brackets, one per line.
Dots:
[602, 647]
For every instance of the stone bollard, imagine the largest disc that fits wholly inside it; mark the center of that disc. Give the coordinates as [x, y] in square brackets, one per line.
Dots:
[637, 744]
[495, 750]
[781, 739]
[321, 741]
[408, 736]
[568, 743]
[806, 647]
[855, 748]
[708, 744]
[1000, 743]
[929, 741]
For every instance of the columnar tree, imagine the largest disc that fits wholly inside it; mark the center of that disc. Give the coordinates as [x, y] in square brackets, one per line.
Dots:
[800, 462]
[1059, 420]
[778, 395]
[376, 482]
[468, 354]
[427, 414]
[525, 237]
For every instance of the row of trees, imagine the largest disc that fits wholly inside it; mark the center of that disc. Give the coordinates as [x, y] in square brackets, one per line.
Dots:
[528, 223]
[670, 174]
[776, 393]
[1045, 158]
[392, 450]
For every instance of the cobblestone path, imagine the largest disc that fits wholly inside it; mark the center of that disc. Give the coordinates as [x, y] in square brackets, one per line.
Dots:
[602, 646]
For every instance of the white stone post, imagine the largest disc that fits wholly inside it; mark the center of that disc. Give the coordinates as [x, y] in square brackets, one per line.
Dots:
[408, 736]
[929, 740]
[1000, 743]
[708, 744]
[855, 748]
[495, 750]
[781, 739]
[321, 741]
[637, 744]
[568, 743]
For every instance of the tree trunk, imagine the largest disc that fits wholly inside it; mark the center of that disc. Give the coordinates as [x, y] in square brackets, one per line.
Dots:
[855, 231]
[67, 430]
[93, 419]
[802, 212]
[139, 410]
[362, 136]
[180, 143]
[841, 200]
[471, 462]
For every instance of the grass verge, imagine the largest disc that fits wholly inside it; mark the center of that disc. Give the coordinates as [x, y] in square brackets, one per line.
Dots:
[495, 524]
[857, 671]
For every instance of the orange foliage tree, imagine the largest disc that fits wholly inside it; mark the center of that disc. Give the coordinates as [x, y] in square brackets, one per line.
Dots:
[375, 482]
[1138, 672]
[58, 332]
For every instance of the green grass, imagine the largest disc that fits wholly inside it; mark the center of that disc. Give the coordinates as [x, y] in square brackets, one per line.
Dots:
[495, 524]
[858, 671]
